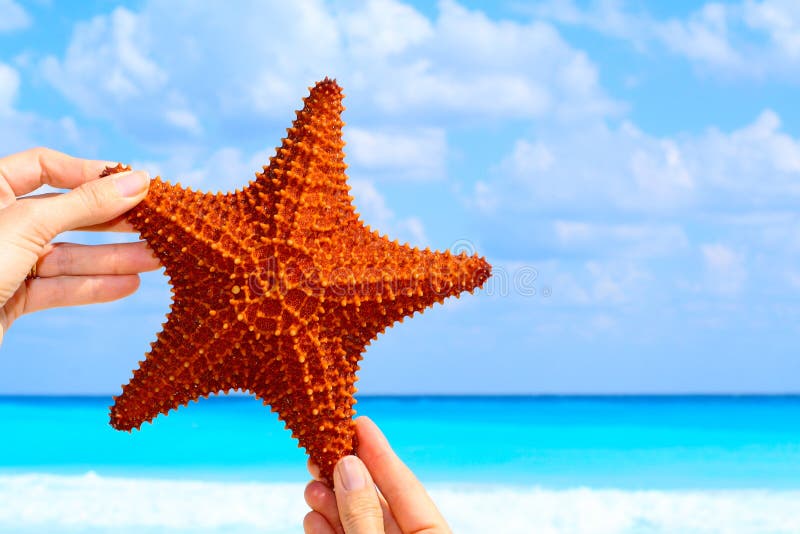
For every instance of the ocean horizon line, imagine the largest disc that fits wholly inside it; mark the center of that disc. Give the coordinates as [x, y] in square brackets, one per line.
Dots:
[453, 396]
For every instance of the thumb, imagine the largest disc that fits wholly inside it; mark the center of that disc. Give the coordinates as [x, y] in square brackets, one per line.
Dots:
[357, 498]
[92, 203]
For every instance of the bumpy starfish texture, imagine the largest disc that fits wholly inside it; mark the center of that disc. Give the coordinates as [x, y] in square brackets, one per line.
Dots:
[278, 289]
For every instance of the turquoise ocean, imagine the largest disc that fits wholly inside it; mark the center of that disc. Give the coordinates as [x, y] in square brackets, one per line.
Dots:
[493, 464]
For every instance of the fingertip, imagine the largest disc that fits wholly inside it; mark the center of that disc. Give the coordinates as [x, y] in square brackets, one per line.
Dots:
[364, 420]
[350, 474]
[135, 282]
[132, 184]
[321, 499]
[115, 287]
[356, 496]
[315, 523]
[366, 424]
[313, 470]
[369, 433]
[316, 494]
[148, 259]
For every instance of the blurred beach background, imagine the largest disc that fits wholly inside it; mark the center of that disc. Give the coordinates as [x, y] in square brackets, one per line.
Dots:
[493, 464]
[630, 170]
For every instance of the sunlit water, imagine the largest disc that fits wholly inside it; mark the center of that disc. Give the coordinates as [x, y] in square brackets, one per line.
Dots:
[494, 464]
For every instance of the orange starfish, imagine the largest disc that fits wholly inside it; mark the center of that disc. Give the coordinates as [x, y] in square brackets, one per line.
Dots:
[278, 289]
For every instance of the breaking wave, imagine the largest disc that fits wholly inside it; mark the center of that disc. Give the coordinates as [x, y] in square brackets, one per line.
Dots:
[34, 503]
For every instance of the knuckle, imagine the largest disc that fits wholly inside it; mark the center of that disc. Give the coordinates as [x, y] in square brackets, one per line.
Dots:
[31, 220]
[64, 257]
[91, 197]
[23, 211]
[361, 509]
[116, 259]
[59, 295]
[39, 152]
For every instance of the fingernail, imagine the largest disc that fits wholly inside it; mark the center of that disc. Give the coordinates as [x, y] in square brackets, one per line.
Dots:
[131, 184]
[351, 472]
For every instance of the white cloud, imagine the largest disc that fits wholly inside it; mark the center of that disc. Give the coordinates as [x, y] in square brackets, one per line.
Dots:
[615, 282]
[409, 76]
[13, 16]
[159, 58]
[415, 230]
[780, 19]
[725, 269]
[384, 28]
[753, 166]
[625, 240]
[591, 193]
[107, 65]
[371, 205]
[183, 119]
[138, 66]
[9, 88]
[483, 198]
[661, 172]
[21, 130]
[373, 210]
[748, 38]
[566, 289]
[223, 170]
[591, 168]
[703, 37]
[417, 154]
[530, 157]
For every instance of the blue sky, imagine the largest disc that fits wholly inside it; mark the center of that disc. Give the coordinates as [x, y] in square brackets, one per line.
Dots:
[631, 169]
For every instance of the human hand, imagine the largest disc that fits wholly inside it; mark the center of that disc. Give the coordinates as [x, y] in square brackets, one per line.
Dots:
[66, 274]
[400, 503]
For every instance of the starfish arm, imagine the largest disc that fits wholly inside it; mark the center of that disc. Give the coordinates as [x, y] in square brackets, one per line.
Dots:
[304, 191]
[188, 228]
[182, 364]
[199, 253]
[380, 282]
[314, 394]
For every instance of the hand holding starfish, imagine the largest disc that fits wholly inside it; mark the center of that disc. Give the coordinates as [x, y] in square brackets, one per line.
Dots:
[398, 504]
[36, 274]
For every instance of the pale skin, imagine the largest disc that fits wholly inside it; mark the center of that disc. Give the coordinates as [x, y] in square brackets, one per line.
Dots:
[68, 274]
[375, 492]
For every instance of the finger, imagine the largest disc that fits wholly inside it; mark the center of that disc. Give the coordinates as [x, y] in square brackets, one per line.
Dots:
[27, 171]
[356, 497]
[390, 525]
[321, 499]
[313, 470]
[411, 506]
[68, 259]
[92, 203]
[314, 523]
[117, 224]
[45, 293]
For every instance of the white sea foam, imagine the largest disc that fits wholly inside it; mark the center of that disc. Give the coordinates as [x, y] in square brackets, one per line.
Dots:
[46, 503]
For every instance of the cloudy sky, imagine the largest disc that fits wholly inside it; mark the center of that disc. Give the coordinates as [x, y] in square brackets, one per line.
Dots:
[631, 170]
